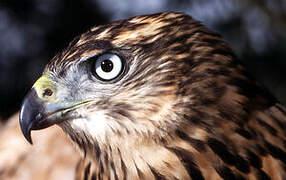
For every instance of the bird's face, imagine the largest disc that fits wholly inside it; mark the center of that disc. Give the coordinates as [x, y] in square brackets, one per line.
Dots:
[115, 80]
[130, 79]
[157, 96]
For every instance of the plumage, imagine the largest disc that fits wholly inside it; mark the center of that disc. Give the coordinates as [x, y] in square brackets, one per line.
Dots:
[52, 156]
[179, 107]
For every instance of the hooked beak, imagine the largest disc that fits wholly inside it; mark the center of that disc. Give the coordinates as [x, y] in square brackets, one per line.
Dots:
[40, 108]
[32, 114]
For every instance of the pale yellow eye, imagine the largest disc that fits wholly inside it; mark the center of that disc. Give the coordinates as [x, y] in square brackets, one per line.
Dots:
[108, 66]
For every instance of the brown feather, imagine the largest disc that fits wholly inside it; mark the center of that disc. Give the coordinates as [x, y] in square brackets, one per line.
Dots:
[185, 108]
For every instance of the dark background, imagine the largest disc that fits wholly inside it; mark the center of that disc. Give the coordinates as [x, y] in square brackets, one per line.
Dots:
[33, 31]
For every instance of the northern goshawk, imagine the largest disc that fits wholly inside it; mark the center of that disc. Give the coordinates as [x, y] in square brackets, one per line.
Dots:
[159, 97]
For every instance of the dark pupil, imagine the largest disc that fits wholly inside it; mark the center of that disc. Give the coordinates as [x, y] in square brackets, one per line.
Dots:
[106, 65]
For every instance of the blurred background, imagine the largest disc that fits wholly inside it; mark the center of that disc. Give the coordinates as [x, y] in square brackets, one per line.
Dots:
[33, 31]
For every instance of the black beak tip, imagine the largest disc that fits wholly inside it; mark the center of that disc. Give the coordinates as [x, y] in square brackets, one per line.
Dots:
[25, 128]
[28, 113]
[28, 138]
[32, 115]
[27, 135]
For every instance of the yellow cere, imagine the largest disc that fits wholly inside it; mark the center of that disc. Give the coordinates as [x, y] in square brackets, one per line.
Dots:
[45, 88]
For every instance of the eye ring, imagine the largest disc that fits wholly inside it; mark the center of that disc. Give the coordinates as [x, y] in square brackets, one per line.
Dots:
[108, 67]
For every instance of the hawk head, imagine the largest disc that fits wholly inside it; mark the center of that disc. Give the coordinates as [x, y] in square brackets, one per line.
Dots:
[146, 85]
[134, 79]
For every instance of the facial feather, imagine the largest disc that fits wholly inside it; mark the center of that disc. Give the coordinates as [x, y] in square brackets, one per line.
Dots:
[182, 108]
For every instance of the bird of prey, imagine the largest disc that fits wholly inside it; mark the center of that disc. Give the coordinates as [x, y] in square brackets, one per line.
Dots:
[159, 97]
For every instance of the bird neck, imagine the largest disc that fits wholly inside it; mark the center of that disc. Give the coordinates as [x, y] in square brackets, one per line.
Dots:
[138, 161]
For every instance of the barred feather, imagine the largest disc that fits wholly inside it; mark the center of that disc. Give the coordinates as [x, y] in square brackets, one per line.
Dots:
[184, 109]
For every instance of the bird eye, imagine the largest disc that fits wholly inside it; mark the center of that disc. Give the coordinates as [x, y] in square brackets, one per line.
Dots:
[108, 66]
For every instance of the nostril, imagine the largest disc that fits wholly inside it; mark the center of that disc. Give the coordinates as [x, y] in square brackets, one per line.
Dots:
[47, 92]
